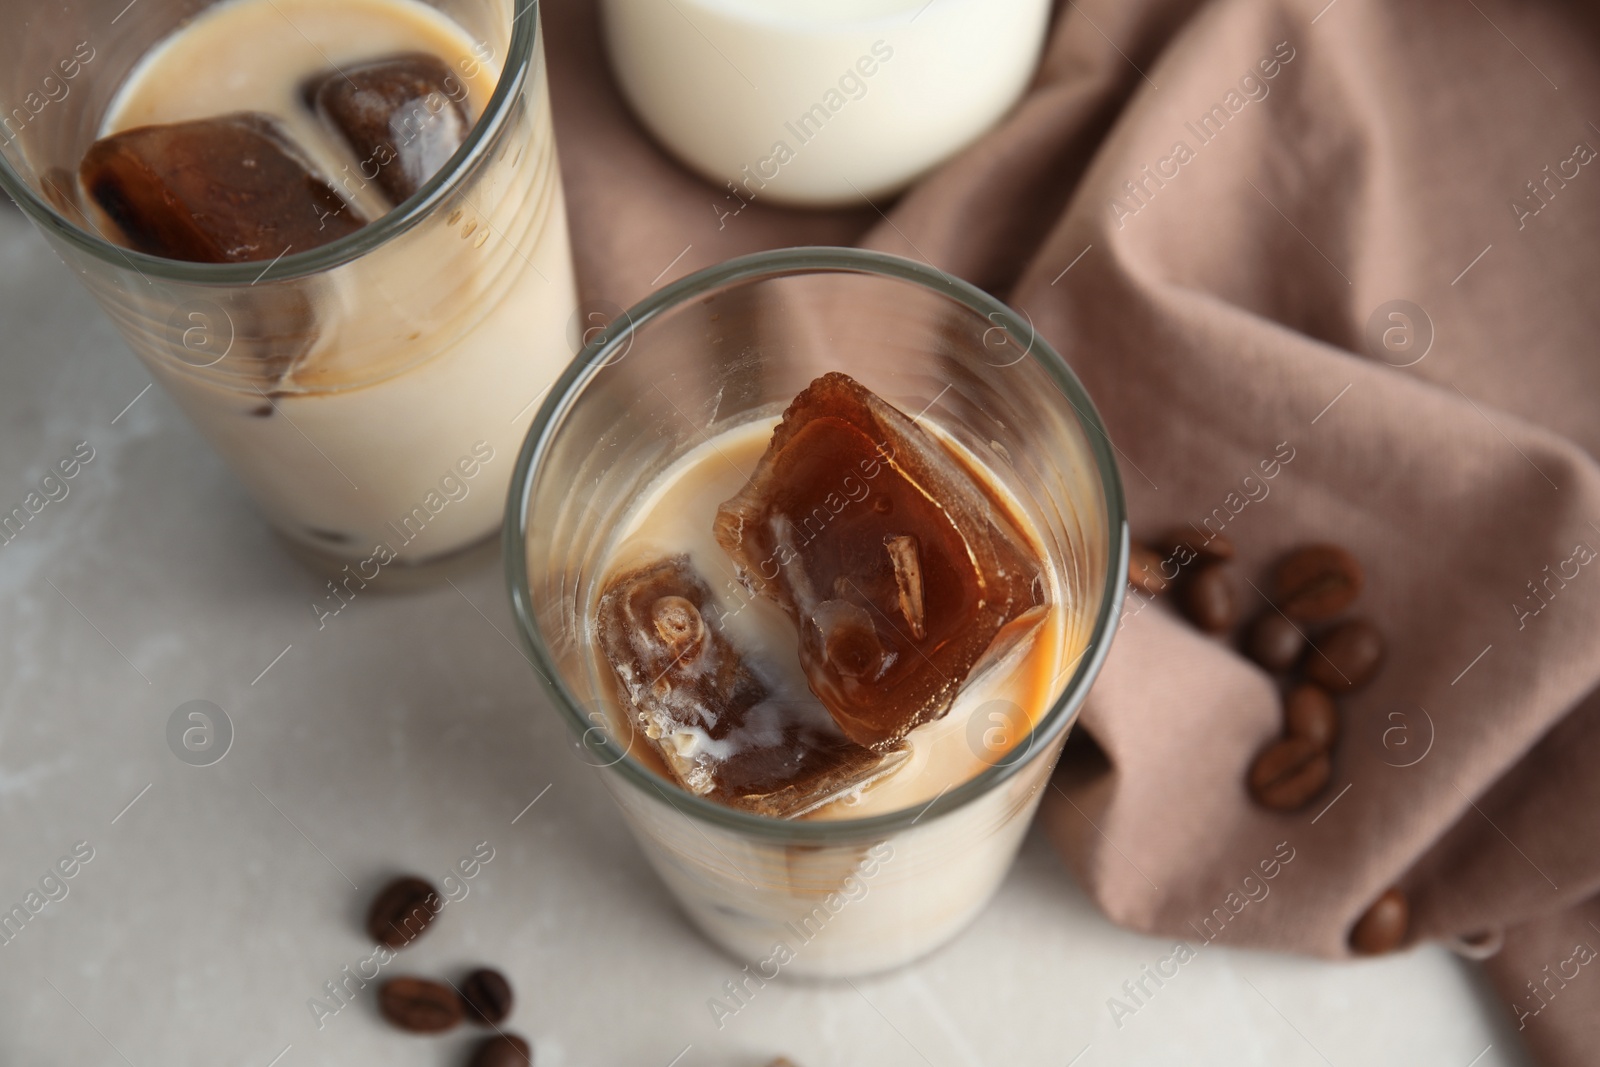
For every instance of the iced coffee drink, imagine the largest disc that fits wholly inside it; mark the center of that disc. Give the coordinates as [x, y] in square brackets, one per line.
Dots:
[824, 633]
[374, 189]
[803, 616]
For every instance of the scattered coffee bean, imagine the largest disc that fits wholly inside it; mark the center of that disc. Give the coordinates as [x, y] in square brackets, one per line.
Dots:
[1216, 549]
[1144, 570]
[1316, 582]
[1274, 642]
[502, 1050]
[402, 912]
[1383, 926]
[1288, 774]
[1346, 656]
[1309, 712]
[418, 1005]
[1209, 600]
[486, 994]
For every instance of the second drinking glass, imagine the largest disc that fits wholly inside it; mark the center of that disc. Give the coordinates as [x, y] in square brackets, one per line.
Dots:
[369, 392]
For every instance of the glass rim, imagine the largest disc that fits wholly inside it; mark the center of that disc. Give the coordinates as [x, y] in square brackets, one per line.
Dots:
[593, 359]
[520, 53]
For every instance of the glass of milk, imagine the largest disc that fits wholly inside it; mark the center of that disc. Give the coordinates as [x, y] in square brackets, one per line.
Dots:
[418, 345]
[659, 420]
[820, 102]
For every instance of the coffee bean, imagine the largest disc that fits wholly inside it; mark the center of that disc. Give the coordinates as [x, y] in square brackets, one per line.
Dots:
[502, 1050]
[1215, 548]
[1383, 926]
[402, 912]
[1288, 774]
[1316, 582]
[1346, 656]
[1274, 642]
[418, 1005]
[1209, 600]
[1309, 712]
[486, 994]
[1144, 570]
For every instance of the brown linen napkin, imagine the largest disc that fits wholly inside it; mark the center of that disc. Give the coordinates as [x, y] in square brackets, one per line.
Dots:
[1208, 209]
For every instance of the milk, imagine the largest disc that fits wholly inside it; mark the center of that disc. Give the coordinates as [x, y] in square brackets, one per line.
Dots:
[820, 101]
[394, 436]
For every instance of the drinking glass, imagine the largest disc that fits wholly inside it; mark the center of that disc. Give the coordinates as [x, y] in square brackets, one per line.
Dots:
[735, 343]
[417, 345]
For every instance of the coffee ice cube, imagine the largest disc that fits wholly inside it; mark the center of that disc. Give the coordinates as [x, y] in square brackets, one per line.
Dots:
[900, 571]
[403, 116]
[719, 727]
[230, 189]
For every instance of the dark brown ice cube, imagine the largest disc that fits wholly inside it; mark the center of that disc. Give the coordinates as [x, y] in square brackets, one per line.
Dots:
[901, 573]
[231, 189]
[720, 729]
[403, 116]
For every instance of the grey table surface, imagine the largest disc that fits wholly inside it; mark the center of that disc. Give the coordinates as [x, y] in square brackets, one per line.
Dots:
[220, 899]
